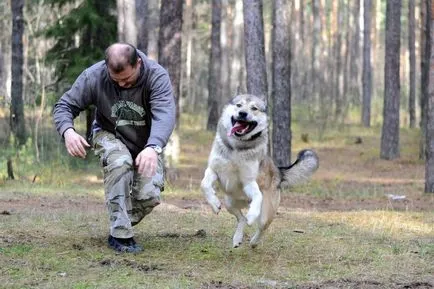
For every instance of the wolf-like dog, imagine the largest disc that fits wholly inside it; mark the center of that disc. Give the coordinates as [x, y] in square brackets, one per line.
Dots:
[247, 175]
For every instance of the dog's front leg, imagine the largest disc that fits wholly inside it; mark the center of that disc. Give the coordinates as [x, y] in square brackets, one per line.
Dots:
[208, 190]
[255, 195]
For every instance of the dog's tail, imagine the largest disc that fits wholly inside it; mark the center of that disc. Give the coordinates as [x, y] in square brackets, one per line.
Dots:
[301, 170]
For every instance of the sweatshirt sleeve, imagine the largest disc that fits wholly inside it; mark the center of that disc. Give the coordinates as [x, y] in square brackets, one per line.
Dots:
[72, 102]
[163, 110]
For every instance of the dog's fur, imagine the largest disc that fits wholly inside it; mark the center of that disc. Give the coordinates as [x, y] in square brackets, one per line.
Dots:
[247, 175]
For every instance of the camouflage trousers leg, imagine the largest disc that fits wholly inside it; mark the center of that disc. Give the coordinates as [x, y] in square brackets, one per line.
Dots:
[129, 196]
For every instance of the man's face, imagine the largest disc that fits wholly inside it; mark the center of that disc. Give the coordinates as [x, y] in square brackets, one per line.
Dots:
[127, 77]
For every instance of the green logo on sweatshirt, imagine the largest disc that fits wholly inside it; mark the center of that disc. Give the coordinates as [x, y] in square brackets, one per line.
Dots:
[128, 113]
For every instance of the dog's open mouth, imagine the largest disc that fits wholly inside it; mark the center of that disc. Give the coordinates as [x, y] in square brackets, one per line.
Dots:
[241, 127]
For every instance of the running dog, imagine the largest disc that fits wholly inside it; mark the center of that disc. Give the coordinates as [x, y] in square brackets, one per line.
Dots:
[247, 175]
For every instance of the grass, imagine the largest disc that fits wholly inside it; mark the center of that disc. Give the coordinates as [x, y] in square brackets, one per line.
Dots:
[337, 231]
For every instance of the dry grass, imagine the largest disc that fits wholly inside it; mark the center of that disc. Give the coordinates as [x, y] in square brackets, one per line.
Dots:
[338, 231]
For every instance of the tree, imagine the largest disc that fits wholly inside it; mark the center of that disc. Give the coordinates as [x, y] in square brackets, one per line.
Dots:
[17, 122]
[412, 63]
[425, 57]
[127, 30]
[169, 56]
[281, 84]
[142, 24]
[355, 54]
[390, 130]
[214, 79]
[169, 43]
[95, 27]
[367, 68]
[93, 24]
[255, 49]
[238, 59]
[429, 164]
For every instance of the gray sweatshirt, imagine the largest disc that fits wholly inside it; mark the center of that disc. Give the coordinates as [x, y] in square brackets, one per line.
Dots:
[139, 116]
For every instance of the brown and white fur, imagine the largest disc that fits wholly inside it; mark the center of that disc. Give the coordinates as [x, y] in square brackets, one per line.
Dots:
[247, 175]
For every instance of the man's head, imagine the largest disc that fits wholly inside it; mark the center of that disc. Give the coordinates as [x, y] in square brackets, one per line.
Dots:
[123, 64]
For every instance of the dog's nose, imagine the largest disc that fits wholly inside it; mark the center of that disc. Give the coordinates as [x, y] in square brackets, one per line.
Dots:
[242, 114]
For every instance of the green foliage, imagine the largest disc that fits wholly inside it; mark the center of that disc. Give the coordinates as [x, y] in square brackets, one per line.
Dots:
[81, 36]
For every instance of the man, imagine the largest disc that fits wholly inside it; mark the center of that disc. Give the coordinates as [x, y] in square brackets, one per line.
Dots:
[135, 116]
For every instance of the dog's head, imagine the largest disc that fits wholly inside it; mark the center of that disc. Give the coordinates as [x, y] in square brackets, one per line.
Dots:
[245, 116]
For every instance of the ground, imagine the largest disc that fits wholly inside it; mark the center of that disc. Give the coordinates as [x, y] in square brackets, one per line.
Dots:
[351, 180]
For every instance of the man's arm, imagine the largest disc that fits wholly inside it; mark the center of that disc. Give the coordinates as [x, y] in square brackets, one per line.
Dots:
[69, 106]
[163, 110]
[72, 102]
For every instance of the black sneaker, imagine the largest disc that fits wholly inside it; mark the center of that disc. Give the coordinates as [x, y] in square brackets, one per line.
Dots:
[133, 243]
[124, 245]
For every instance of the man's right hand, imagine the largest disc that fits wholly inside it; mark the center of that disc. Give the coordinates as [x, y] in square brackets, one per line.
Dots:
[75, 143]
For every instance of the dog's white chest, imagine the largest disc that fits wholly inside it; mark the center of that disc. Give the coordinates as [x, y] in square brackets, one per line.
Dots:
[234, 175]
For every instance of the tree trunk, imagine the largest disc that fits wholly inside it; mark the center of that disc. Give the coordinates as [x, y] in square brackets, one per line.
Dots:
[390, 130]
[127, 30]
[10, 169]
[142, 16]
[17, 121]
[425, 68]
[412, 62]
[367, 68]
[281, 88]
[153, 28]
[214, 80]
[225, 36]
[169, 56]
[169, 44]
[429, 164]
[237, 69]
[355, 55]
[255, 49]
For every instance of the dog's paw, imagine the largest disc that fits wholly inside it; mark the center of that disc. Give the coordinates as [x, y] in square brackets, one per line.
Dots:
[215, 204]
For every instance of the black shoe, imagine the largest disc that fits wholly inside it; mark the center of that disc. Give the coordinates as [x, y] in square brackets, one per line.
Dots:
[124, 245]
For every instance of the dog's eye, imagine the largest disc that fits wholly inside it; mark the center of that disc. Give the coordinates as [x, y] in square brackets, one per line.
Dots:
[254, 108]
[238, 104]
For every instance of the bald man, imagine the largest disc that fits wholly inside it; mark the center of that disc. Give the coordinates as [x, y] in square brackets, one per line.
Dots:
[135, 116]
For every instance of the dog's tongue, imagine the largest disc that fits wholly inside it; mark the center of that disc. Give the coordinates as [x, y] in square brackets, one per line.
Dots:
[238, 127]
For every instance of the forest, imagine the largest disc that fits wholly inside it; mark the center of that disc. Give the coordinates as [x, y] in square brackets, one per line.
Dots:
[351, 80]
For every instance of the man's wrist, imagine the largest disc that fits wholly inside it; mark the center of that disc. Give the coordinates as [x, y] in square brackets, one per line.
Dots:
[156, 148]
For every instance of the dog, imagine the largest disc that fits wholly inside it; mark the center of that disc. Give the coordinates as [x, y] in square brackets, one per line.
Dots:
[239, 162]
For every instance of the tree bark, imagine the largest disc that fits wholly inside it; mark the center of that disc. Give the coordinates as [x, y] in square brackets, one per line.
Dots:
[367, 67]
[214, 78]
[169, 44]
[127, 30]
[17, 121]
[355, 55]
[153, 28]
[412, 63]
[238, 64]
[255, 49]
[390, 130]
[429, 164]
[425, 68]
[142, 16]
[281, 88]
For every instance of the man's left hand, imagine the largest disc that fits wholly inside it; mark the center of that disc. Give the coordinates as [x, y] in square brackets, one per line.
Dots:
[147, 161]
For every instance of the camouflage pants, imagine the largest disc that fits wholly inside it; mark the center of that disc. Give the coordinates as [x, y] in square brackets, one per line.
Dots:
[129, 195]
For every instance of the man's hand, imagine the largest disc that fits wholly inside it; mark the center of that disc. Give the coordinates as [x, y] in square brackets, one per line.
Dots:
[147, 161]
[75, 143]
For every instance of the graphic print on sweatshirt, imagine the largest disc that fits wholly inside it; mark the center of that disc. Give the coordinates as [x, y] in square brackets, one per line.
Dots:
[128, 113]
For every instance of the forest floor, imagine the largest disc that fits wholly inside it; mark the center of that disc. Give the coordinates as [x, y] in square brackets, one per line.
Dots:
[361, 222]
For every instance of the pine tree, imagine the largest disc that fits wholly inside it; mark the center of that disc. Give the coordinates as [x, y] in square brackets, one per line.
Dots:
[93, 24]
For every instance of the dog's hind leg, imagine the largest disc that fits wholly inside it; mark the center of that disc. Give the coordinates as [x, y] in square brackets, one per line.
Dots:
[234, 208]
